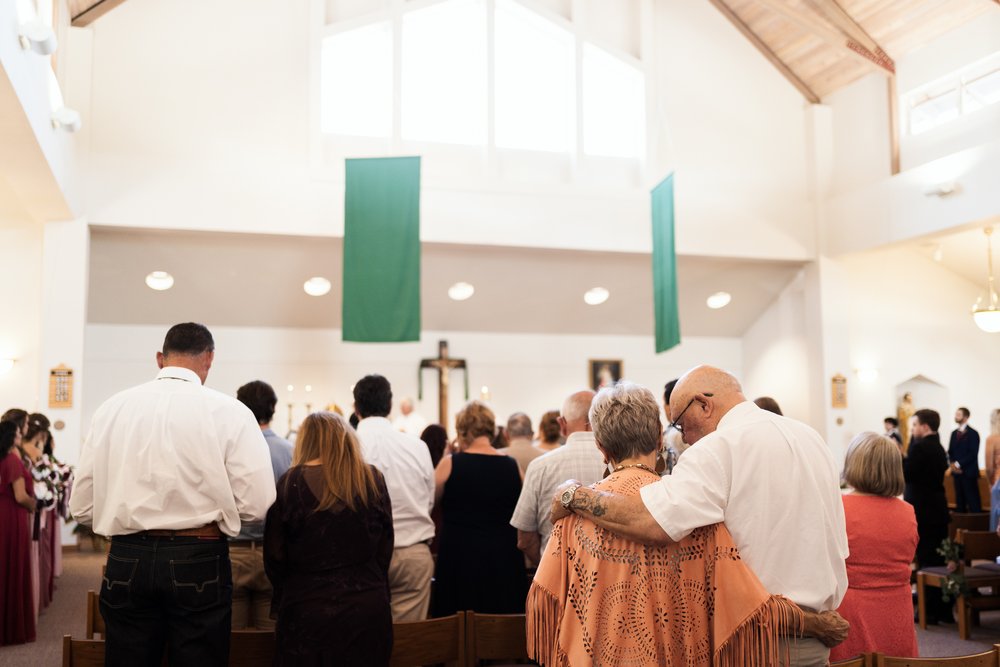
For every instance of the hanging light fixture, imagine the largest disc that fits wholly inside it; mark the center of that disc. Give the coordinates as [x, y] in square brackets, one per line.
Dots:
[987, 315]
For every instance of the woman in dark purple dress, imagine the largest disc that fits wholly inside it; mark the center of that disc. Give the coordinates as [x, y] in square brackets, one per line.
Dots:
[17, 610]
[327, 546]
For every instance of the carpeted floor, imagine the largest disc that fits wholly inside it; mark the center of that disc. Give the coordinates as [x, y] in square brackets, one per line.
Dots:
[65, 616]
[82, 572]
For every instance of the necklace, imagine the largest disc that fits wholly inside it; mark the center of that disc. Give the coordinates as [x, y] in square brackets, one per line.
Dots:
[641, 466]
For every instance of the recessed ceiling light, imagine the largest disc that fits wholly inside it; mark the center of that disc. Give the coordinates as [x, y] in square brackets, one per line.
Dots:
[719, 300]
[461, 291]
[316, 286]
[596, 296]
[159, 280]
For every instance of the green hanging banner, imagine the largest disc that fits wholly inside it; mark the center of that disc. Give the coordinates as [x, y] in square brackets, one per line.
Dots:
[382, 250]
[668, 323]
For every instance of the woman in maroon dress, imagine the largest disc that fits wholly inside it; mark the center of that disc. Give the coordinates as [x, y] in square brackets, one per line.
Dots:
[17, 611]
[327, 546]
[34, 443]
[882, 537]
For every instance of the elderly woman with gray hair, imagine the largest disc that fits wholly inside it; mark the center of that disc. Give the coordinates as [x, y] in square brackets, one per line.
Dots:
[882, 537]
[598, 598]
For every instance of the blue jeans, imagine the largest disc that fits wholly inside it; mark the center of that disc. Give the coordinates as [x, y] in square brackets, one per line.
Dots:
[167, 592]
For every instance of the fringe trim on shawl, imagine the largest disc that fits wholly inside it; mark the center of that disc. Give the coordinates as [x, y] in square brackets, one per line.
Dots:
[758, 640]
[542, 628]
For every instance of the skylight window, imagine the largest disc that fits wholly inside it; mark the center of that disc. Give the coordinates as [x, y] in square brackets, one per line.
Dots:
[614, 99]
[535, 81]
[970, 89]
[444, 94]
[934, 111]
[983, 91]
[356, 82]
[500, 76]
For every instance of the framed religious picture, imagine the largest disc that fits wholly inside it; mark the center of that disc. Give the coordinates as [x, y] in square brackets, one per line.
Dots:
[604, 372]
[838, 391]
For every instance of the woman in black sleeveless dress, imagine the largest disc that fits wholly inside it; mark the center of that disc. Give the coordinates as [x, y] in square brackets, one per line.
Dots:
[479, 566]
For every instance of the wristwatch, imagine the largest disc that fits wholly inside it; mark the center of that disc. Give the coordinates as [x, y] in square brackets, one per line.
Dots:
[567, 496]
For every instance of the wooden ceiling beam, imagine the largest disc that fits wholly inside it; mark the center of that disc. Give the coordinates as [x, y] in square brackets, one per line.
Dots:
[84, 12]
[808, 20]
[836, 15]
[766, 51]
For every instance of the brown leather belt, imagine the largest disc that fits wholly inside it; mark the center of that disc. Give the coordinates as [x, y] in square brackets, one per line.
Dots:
[209, 530]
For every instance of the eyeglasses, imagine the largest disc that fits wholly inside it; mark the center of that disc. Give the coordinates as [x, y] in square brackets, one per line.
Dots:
[676, 424]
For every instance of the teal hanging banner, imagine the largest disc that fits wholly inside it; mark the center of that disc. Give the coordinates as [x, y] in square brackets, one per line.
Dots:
[668, 323]
[382, 250]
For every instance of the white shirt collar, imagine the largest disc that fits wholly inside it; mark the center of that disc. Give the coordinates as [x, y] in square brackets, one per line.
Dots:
[178, 373]
[737, 412]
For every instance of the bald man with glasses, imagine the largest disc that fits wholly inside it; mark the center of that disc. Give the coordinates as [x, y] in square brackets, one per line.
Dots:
[770, 479]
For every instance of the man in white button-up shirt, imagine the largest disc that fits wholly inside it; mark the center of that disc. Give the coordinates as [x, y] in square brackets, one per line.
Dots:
[771, 479]
[405, 462]
[168, 470]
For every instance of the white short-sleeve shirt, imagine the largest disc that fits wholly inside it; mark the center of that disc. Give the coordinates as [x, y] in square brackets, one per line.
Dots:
[772, 480]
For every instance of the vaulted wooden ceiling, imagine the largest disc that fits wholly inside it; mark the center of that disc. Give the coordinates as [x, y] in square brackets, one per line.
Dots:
[85, 12]
[821, 46]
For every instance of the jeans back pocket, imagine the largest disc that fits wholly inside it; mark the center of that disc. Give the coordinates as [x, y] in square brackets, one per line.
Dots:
[197, 582]
[116, 587]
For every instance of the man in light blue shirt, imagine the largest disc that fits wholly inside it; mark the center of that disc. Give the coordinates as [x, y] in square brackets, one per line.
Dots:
[251, 587]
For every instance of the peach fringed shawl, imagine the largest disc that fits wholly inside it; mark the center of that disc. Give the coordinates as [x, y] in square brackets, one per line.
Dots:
[599, 599]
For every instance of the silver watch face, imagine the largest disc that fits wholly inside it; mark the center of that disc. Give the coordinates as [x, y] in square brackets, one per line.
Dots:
[567, 496]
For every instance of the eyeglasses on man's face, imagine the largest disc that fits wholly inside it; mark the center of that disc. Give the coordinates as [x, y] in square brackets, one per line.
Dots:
[676, 424]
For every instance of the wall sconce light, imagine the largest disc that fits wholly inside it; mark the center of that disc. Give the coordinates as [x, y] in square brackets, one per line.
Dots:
[942, 189]
[37, 37]
[6, 365]
[67, 119]
[867, 375]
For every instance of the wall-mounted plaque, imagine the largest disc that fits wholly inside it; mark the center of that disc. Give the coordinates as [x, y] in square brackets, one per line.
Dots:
[838, 391]
[61, 387]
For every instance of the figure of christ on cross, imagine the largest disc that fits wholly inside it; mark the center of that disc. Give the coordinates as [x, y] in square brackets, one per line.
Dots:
[443, 364]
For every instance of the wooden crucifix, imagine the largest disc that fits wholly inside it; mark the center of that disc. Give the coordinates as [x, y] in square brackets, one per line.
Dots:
[443, 364]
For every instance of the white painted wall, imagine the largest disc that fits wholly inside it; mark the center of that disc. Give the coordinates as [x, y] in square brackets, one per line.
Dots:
[47, 162]
[735, 131]
[909, 317]
[21, 296]
[215, 135]
[893, 311]
[899, 209]
[860, 133]
[530, 373]
[776, 354]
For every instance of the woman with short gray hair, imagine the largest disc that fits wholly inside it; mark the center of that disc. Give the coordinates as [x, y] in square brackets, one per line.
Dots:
[626, 423]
